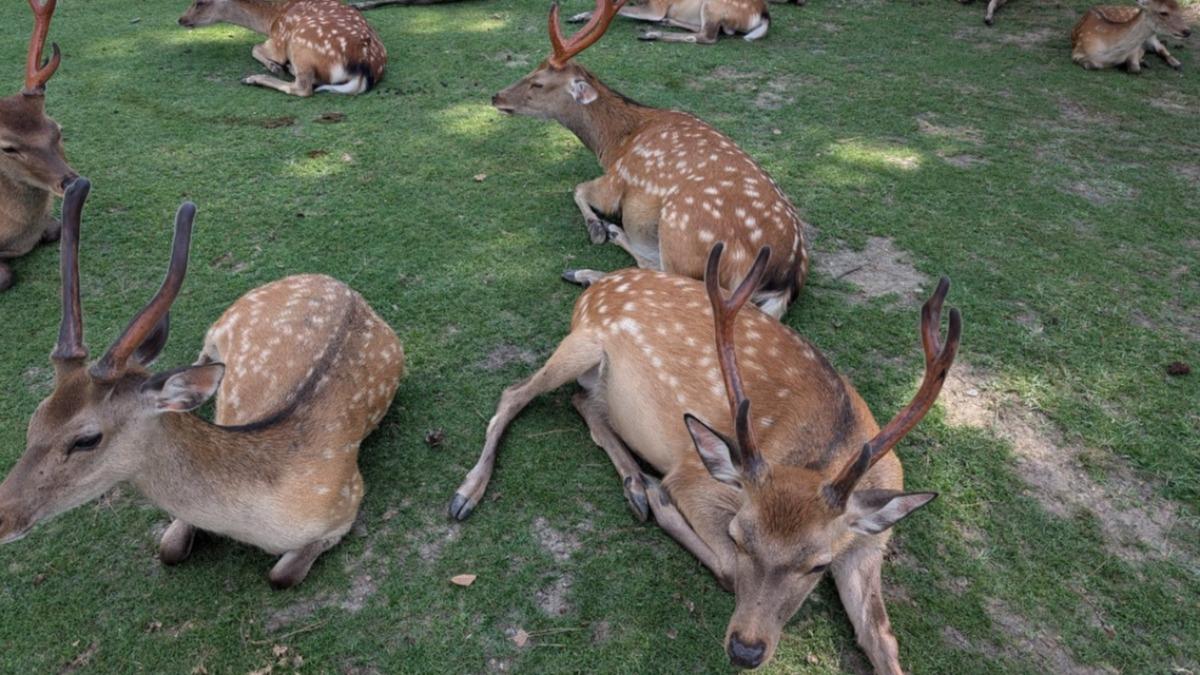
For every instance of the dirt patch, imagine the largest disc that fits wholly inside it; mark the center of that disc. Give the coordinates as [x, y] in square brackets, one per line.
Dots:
[771, 93]
[601, 632]
[38, 380]
[82, 660]
[1175, 103]
[1075, 113]
[510, 59]
[1100, 191]
[558, 544]
[505, 355]
[1189, 173]
[990, 38]
[927, 123]
[553, 599]
[430, 550]
[878, 270]
[961, 160]
[366, 572]
[1137, 524]
[1025, 643]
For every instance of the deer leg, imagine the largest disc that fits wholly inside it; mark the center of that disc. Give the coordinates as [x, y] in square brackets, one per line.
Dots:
[576, 354]
[676, 23]
[605, 195]
[264, 55]
[646, 257]
[707, 35]
[989, 15]
[1133, 64]
[53, 230]
[857, 574]
[6, 277]
[638, 12]
[584, 278]
[176, 543]
[673, 523]
[301, 86]
[294, 565]
[1159, 48]
[603, 435]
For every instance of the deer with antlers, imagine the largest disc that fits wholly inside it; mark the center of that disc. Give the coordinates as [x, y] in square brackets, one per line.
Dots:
[677, 184]
[769, 501]
[33, 164]
[705, 20]
[303, 370]
[1115, 35]
[325, 45]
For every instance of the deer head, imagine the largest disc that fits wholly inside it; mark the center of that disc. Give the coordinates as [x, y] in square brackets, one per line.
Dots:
[31, 150]
[1167, 17]
[96, 427]
[558, 84]
[793, 521]
[208, 12]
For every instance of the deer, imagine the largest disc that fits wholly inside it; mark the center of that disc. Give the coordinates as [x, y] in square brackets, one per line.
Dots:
[33, 162]
[325, 45]
[1114, 35]
[302, 369]
[676, 183]
[767, 500]
[705, 20]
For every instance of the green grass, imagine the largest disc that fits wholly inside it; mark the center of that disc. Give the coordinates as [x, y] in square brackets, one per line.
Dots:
[154, 115]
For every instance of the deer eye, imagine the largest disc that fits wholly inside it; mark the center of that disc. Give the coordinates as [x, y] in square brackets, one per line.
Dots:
[818, 569]
[85, 443]
[1164, 14]
[9, 150]
[536, 85]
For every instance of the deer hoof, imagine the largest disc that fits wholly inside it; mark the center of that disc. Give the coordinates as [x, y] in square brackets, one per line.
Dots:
[6, 277]
[580, 18]
[635, 494]
[597, 231]
[461, 506]
[650, 35]
[52, 233]
[989, 20]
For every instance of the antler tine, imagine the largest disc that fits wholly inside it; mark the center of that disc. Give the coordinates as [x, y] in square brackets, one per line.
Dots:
[725, 319]
[113, 364]
[70, 330]
[593, 30]
[938, 358]
[38, 73]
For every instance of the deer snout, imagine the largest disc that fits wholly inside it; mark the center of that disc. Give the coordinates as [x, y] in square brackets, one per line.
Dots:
[186, 22]
[67, 180]
[1187, 32]
[746, 655]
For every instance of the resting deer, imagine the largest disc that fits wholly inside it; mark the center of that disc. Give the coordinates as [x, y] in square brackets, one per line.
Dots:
[768, 503]
[305, 370]
[705, 19]
[325, 45]
[33, 164]
[677, 184]
[1114, 35]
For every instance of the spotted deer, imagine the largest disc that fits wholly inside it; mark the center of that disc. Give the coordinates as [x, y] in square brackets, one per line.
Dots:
[705, 20]
[33, 163]
[303, 371]
[325, 45]
[677, 184]
[767, 501]
[1111, 35]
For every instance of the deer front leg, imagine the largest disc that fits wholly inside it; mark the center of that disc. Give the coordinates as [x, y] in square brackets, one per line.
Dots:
[301, 86]
[603, 193]
[673, 523]
[576, 354]
[1134, 63]
[1159, 48]
[649, 12]
[707, 35]
[294, 565]
[265, 54]
[857, 574]
[603, 435]
[176, 543]
[989, 15]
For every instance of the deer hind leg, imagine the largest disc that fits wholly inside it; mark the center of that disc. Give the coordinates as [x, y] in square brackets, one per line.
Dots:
[593, 413]
[578, 353]
[176, 543]
[603, 193]
[706, 35]
[293, 567]
[857, 574]
[669, 518]
[989, 15]
[301, 86]
[1155, 45]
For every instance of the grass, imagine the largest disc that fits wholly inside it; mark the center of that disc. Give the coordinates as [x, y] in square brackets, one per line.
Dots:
[1076, 214]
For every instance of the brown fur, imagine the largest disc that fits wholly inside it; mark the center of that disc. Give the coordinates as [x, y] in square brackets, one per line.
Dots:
[324, 43]
[1110, 35]
[705, 20]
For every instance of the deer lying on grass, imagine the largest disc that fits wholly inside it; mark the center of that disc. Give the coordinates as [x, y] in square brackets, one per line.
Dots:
[327, 46]
[768, 502]
[1115, 35]
[677, 184]
[706, 19]
[33, 164]
[305, 371]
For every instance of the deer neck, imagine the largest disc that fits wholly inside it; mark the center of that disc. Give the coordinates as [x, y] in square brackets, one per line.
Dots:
[194, 469]
[1139, 31]
[257, 15]
[606, 123]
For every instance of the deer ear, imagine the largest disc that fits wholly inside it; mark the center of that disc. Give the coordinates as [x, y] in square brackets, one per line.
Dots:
[873, 511]
[715, 451]
[150, 349]
[185, 389]
[581, 91]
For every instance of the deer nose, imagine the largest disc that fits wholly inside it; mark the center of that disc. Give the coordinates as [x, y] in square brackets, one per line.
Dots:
[495, 99]
[744, 655]
[1187, 32]
[68, 179]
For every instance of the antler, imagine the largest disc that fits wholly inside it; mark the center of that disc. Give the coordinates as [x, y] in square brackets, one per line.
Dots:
[70, 330]
[113, 364]
[724, 318]
[37, 75]
[938, 358]
[593, 30]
